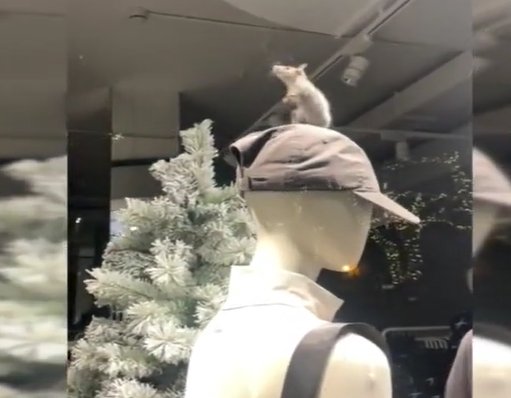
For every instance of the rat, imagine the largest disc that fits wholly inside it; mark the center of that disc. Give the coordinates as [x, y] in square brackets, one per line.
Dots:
[307, 104]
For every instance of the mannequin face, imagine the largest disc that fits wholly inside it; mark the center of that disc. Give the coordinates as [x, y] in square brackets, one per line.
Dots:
[338, 224]
[327, 228]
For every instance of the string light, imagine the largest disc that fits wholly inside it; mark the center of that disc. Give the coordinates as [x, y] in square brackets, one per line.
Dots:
[432, 209]
[117, 136]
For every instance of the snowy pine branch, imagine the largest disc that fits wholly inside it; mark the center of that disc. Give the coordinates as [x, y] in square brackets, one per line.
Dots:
[166, 274]
[33, 281]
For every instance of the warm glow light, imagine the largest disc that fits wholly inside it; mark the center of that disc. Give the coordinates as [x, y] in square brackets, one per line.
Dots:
[346, 268]
[351, 270]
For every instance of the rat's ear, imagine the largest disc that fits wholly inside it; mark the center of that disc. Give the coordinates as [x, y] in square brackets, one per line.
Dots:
[302, 66]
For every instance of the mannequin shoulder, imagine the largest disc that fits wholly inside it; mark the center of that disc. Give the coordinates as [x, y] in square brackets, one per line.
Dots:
[491, 368]
[492, 351]
[357, 368]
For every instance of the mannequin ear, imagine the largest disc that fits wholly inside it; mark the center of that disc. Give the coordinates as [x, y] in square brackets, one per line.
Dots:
[302, 67]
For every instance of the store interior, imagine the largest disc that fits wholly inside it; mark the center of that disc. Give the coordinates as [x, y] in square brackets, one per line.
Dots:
[130, 75]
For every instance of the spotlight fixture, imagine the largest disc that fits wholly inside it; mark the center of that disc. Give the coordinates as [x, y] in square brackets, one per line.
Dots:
[355, 70]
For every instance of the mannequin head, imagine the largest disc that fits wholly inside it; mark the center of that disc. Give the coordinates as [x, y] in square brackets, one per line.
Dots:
[311, 191]
[309, 230]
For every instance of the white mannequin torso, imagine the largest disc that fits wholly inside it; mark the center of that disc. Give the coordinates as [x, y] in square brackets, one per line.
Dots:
[491, 368]
[273, 303]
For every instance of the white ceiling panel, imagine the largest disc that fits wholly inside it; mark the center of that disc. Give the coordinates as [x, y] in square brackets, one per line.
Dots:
[32, 78]
[326, 16]
[183, 54]
[145, 108]
[439, 23]
[442, 114]
[33, 45]
[32, 108]
[219, 10]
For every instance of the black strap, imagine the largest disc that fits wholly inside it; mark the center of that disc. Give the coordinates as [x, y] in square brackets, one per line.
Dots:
[310, 358]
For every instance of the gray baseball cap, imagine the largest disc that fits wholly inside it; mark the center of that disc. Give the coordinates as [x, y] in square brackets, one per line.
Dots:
[304, 157]
[490, 185]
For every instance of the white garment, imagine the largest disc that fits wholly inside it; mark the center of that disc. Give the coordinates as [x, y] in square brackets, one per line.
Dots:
[244, 352]
[491, 368]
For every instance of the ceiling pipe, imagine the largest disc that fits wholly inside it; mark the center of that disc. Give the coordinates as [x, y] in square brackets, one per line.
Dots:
[143, 14]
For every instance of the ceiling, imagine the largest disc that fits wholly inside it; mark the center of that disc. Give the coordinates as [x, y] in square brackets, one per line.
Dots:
[32, 78]
[136, 77]
[492, 85]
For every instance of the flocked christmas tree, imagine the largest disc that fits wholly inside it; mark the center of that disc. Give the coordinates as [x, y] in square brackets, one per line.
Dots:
[33, 282]
[164, 277]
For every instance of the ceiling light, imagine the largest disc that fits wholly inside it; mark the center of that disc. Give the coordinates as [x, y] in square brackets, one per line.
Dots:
[355, 70]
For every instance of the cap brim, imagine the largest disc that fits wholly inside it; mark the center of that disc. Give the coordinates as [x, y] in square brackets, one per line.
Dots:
[389, 206]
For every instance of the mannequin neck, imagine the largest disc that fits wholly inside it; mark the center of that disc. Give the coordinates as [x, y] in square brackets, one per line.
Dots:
[278, 251]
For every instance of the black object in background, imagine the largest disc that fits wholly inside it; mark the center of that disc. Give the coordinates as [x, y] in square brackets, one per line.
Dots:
[422, 357]
[492, 281]
[89, 174]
